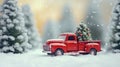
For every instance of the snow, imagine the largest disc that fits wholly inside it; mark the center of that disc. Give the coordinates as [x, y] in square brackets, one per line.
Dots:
[20, 37]
[117, 36]
[55, 40]
[117, 51]
[113, 45]
[18, 28]
[0, 32]
[7, 11]
[98, 25]
[15, 21]
[5, 16]
[10, 25]
[118, 27]
[92, 44]
[4, 29]
[5, 48]
[12, 38]
[16, 45]
[31, 30]
[38, 59]
[8, 20]
[58, 44]
[5, 37]
[5, 43]
[11, 48]
[12, 14]
[20, 49]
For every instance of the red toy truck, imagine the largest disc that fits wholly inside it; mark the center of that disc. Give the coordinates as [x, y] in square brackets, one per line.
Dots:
[67, 42]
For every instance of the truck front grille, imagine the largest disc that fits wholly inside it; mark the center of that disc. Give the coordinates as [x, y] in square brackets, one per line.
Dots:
[46, 48]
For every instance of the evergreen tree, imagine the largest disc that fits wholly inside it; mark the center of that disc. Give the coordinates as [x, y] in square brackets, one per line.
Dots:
[51, 30]
[14, 37]
[0, 8]
[33, 35]
[67, 23]
[94, 21]
[83, 33]
[0, 32]
[114, 40]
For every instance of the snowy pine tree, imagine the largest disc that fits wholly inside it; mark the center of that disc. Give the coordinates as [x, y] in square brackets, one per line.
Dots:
[67, 23]
[83, 32]
[0, 8]
[94, 21]
[14, 37]
[0, 32]
[33, 35]
[114, 40]
[51, 30]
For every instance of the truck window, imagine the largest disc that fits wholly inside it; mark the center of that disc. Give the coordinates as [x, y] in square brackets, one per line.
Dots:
[71, 38]
[62, 37]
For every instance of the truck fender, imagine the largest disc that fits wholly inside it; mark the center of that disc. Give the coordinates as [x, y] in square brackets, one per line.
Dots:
[90, 46]
[55, 46]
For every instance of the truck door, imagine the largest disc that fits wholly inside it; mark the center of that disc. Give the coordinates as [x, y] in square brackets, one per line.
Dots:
[81, 46]
[71, 43]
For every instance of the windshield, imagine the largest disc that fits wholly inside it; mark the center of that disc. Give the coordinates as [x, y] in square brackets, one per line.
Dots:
[62, 37]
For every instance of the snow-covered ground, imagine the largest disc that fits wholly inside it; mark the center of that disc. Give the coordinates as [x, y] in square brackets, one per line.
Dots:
[38, 59]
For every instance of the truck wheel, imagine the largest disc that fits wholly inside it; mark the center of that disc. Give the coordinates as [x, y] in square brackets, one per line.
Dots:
[59, 52]
[49, 54]
[93, 52]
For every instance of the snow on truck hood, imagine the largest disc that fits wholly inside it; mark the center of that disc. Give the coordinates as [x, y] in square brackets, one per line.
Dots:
[58, 44]
[92, 44]
[55, 41]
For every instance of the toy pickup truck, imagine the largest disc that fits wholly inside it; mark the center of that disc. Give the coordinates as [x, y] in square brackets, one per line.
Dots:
[67, 42]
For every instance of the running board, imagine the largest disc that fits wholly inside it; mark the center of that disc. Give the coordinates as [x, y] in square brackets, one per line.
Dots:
[75, 53]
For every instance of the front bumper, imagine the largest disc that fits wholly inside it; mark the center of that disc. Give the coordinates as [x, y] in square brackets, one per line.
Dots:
[46, 51]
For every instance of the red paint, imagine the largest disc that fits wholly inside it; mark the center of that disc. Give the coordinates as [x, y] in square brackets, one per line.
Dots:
[71, 45]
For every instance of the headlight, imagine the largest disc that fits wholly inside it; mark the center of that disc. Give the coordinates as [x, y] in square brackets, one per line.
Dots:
[46, 47]
[50, 46]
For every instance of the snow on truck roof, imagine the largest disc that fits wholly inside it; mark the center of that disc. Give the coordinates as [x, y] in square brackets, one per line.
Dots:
[67, 34]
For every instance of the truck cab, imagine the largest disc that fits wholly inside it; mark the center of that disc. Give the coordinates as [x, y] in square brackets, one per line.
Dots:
[67, 42]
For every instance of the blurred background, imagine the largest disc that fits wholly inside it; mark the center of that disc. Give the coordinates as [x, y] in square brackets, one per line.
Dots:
[54, 11]
[45, 9]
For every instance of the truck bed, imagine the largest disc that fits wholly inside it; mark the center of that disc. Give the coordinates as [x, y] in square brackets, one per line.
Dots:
[93, 43]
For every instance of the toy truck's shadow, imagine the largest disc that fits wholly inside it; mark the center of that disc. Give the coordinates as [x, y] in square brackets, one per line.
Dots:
[80, 54]
[51, 55]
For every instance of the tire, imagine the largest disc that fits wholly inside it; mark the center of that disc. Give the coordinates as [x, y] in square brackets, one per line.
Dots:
[59, 52]
[49, 54]
[93, 52]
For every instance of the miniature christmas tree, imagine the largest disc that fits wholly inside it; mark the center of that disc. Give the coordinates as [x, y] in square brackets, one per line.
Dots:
[115, 28]
[33, 35]
[14, 37]
[83, 32]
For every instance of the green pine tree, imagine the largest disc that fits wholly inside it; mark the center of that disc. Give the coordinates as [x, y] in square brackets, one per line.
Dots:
[14, 37]
[33, 36]
[114, 40]
[83, 33]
